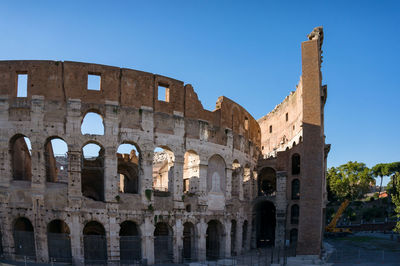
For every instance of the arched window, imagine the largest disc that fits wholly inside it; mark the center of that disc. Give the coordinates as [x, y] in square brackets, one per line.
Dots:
[163, 170]
[295, 189]
[214, 240]
[92, 124]
[267, 182]
[294, 214]
[95, 243]
[295, 164]
[129, 162]
[92, 174]
[24, 239]
[58, 241]
[56, 157]
[130, 245]
[236, 177]
[21, 158]
[191, 172]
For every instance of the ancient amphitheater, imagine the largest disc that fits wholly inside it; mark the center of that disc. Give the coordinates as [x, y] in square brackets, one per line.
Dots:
[161, 178]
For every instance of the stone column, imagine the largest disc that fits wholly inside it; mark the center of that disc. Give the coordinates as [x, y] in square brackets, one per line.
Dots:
[76, 239]
[5, 166]
[113, 236]
[241, 175]
[239, 236]
[178, 181]
[74, 177]
[178, 240]
[147, 229]
[146, 179]
[40, 228]
[281, 204]
[110, 174]
[227, 245]
[228, 190]
[201, 241]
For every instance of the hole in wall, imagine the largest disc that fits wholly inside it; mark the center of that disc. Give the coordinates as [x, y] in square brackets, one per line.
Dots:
[22, 85]
[94, 82]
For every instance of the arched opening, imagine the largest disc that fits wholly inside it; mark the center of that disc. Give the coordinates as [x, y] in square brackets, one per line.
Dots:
[24, 238]
[244, 234]
[267, 182]
[130, 244]
[293, 236]
[92, 174]
[233, 238]
[58, 241]
[21, 151]
[214, 240]
[188, 241]
[216, 173]
[236, 176]
[191, 172]
[294, 214]
[92, 124]
[163, 170]
[128, 168]
[56, 160]
[265, 223]
[163, 246]
[94, 243]
[295, 164]
[247, 182]
[295, 189]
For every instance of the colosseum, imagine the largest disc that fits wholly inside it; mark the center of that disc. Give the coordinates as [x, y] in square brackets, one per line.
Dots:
[152, 175]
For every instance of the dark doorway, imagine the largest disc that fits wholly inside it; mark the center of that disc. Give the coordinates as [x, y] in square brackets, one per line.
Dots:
[233, 238]
[58, 241]
[213, 240]
[265, 224]
[130, 245]
[163, 247]
[188, 241]
[95, 243]
[24, 239]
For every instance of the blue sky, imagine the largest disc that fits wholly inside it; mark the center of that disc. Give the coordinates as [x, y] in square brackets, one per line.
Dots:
[248, 51]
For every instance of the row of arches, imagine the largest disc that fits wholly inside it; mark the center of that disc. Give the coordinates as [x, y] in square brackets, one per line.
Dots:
[129, 167]
[130, 241]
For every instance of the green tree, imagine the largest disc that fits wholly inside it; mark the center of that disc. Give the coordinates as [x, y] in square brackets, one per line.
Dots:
[394, 188]
[351, 180]
[380, 170]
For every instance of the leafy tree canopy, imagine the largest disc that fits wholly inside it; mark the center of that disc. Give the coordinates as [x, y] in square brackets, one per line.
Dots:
[351, 180]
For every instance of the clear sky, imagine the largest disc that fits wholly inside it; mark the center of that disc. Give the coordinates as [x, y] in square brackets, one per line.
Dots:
[248, 51]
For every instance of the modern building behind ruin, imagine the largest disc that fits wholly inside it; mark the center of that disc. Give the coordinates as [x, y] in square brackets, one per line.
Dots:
[219, 183]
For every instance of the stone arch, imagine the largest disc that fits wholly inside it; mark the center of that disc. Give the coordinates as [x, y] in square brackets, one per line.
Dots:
[264, 214]
[267, 182]
[163, 169]
[92, 173]
[94, 243]
[20, 150]
[295, 164]
[189, 241]
[130, 245]
[24, 238]
[247, 182]
[56, 159]
[59, 241]
[92, 123]
[163, 243]
[236, 177]
[295, 189]
[216, 174]
[191, 171]
[129, 161]
[215, 239]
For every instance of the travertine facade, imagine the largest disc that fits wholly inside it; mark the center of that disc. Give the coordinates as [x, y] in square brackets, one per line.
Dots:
[222, 185]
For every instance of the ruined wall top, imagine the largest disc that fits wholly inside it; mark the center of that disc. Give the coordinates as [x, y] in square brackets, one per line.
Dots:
[62, 81]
